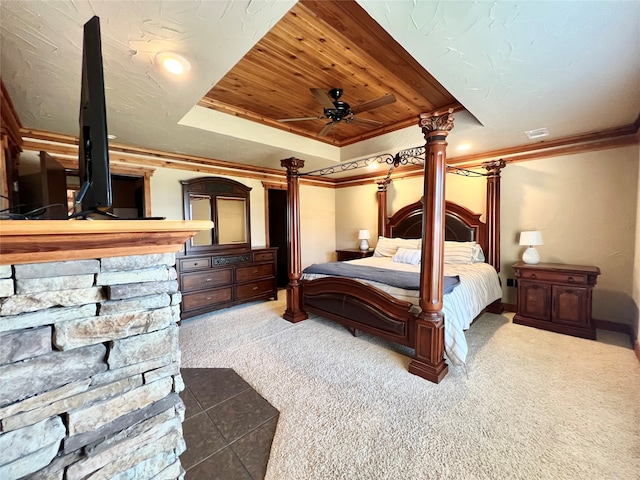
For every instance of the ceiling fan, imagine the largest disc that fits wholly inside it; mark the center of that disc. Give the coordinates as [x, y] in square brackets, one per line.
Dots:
[336, 110]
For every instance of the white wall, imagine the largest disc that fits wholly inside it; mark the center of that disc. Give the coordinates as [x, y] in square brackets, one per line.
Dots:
[635, 322]
[317, 224]
[584, 204]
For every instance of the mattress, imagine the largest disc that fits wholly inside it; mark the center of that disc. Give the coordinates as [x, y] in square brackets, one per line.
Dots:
[479, 286]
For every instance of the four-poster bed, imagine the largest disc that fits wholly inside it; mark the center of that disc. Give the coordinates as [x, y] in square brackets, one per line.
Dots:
[362, 307]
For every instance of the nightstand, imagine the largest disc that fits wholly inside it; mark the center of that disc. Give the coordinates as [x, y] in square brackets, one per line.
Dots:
[556, 297]
[353, 253]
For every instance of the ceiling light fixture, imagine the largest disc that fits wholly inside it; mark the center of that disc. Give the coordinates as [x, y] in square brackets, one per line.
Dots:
[463, 147]
[173, 63]
[111, 137]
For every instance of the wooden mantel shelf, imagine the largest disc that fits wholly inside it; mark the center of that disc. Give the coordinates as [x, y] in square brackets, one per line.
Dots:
[35, 241]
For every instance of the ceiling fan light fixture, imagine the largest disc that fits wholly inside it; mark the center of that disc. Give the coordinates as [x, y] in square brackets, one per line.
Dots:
[338, 111]
[173, 63]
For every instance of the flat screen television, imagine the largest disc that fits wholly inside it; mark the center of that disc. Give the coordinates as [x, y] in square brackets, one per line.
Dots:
[94, 195]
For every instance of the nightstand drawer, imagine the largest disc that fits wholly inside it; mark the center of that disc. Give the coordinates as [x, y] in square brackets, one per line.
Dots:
[353, 254]
[554, 277]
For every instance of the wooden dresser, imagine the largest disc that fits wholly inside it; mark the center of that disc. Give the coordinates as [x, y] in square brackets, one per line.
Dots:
[556, 297]
[210, 282]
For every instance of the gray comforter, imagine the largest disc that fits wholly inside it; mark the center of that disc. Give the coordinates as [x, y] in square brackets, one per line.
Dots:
[405, 280]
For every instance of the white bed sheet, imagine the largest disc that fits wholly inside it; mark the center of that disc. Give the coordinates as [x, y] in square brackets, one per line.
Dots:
[479, 286]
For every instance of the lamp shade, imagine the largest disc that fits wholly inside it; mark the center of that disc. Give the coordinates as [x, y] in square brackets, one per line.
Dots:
[531, 237]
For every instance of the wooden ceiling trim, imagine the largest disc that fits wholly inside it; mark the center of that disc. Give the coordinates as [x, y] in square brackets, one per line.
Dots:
[326, 45]
[60, 144]
[231, 110]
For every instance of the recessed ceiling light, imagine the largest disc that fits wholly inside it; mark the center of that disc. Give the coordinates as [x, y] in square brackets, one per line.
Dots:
[463, 147]
[111, 137]
[537, 133]
[173, 63]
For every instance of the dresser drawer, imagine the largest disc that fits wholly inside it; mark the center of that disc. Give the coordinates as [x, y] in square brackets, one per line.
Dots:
[194, 264]
[554, 277]
[262, 256]
[245, 274]
[208, 279]
[254, 288]
[206, 298]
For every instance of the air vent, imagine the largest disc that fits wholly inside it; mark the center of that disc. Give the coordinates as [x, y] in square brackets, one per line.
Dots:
[537, 133]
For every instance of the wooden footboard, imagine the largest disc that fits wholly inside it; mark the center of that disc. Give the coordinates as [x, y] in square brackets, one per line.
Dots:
[361, 307]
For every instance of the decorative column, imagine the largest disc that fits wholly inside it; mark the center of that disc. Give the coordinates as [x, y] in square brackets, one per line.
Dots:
[294, 312]
[428, 361]
[382, 206]
[493, 211]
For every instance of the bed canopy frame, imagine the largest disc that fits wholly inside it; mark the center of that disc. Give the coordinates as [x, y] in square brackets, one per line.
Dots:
[362, 307]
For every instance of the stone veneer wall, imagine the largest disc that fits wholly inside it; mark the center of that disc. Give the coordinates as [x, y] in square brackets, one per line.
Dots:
[90, 370]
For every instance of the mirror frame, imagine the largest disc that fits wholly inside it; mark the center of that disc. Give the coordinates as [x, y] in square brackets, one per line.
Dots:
[214, 187]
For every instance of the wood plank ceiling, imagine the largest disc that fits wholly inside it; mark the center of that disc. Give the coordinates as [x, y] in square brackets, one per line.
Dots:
[326, 45]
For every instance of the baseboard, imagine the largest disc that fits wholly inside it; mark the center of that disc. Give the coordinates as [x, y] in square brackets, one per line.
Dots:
[612, 326]
[509, 307]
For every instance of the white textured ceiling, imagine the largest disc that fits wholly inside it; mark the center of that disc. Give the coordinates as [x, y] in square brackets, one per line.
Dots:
[570, 66]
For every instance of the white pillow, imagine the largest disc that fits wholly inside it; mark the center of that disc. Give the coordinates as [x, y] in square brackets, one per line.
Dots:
[459, 252]
[387, 247]
[407, 255]
[478, 254]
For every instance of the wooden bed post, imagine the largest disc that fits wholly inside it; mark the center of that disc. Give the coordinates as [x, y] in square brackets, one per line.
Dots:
[382, 206]
[493, 211]
[428, 361]
[294, 312]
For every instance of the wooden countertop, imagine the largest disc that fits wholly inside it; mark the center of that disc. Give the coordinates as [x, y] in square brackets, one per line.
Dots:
[35, 241]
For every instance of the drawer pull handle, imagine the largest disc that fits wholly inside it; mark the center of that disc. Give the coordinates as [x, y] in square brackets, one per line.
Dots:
[255, 288]
[570, 280]
[255, 271]
[207, 279]
[209, 298]
[534, 276]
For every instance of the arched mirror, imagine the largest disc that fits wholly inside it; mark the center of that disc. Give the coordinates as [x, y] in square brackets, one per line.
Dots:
[226, 203]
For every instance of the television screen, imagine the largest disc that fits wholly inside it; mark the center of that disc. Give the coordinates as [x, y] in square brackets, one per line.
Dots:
[94, 195]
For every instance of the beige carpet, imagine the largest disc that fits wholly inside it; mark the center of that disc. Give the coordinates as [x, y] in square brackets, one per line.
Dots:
[535, 404]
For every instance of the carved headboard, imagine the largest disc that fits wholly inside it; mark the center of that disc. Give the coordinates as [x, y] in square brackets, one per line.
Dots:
[461, 224]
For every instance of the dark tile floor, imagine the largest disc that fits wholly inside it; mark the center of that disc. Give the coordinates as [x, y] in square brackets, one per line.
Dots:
[228, 426]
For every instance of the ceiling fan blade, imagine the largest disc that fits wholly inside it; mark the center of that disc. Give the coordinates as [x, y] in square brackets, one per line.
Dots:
[371, 104]
[299, 119]
[322, 97]
[366, 121]
[325, 129]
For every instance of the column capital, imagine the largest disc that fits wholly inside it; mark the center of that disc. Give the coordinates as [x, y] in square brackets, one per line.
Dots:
[436, 124]
[292, 164]
[382, 184]
[493, 167]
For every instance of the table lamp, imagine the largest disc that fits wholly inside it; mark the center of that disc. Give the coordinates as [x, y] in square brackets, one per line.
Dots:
[363, 236]
[531, 238]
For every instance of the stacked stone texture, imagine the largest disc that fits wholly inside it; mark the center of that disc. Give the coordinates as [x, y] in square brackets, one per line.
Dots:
[90, 370]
